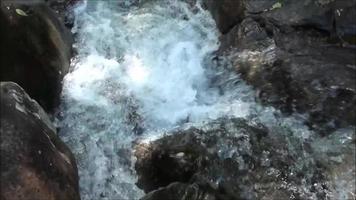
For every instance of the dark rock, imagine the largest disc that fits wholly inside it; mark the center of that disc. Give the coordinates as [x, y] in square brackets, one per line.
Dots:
[228, 159]
[179, 191]
[328, 16]
[300, 57]
[61, 6]
[35, 163]
[36, 49]
[64, 9]
[163, 166]
[248, 35]
[227, 13]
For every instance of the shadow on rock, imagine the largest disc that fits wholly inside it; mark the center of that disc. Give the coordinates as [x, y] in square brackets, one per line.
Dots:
[299, 55]
[35, 163]
[230, 159]
[36, 49]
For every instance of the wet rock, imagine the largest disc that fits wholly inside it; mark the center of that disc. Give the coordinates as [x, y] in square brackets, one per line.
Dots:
[248, 35]
[228, 159]
[338, 152]
[179, 191]
[163, 166]
[35, 163]
[328, 16]
[300, 57]
[64, 9]
[227, 13]
[61, 5]
[36, 49]
[324, 15]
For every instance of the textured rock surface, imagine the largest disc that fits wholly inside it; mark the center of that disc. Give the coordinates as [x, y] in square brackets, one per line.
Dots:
[35, 49]
[227, 13]
[180, 191]
[35, 163]
[300, 56]
[64, 9]
[229, 159]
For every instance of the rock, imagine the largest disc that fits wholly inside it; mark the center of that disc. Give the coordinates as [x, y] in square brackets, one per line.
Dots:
[227, 13]
[300, 57]
[338, 152]
[248, 35]
[179, 191]
[162, 166]
[35, 163]
[36, 49]
[228, 159]
[328, 16]
[61, 5]
[64, 9]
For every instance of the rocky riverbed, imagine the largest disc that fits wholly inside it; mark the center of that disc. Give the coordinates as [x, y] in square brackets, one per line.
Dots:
[178, 99]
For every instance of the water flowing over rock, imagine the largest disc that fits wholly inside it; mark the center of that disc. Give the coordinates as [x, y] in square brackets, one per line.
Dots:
[147, 69]
[35, 163]
[133, 65]
[300, 56]
[231, 159]
[35, 49]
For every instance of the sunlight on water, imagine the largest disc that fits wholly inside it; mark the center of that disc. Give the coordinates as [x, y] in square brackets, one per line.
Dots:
[136, 71]
[141, 70]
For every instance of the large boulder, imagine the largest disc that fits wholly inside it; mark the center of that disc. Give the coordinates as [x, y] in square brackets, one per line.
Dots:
[327, 15]
[231, 159]
[36, 49]
[300, 56]
[35, 163]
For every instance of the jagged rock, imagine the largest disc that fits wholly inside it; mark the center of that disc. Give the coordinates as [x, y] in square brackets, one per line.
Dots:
[36, 49]
[228, 159]
[35, 163]
[300, 57]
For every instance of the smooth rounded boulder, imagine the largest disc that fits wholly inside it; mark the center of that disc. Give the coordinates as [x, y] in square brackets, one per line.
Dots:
[36, 49]
[35, 163]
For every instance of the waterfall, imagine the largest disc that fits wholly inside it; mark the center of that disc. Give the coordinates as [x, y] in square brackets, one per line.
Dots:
[140, 69]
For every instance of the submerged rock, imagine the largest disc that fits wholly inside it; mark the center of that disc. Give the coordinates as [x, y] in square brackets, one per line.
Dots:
[35, 163]
[230, 159]
[300, 56]
[36, 49]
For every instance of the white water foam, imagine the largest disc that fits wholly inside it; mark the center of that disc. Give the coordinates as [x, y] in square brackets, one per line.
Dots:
[139, 70]
[134, 71]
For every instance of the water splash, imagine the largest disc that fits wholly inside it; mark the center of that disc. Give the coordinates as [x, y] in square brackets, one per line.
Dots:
[136, 69]
[140, 70]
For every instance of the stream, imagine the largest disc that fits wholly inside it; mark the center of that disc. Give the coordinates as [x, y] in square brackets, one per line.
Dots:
[145, 68]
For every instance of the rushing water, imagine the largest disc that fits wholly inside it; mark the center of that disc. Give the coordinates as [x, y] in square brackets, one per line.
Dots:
[141, 69]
